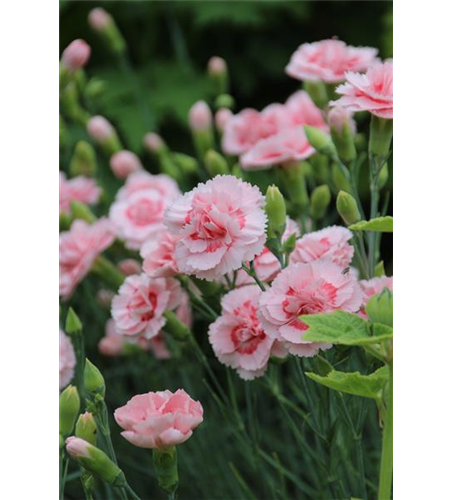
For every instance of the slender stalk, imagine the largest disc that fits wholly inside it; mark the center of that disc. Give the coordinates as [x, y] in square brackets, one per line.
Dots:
[384, 489]
[251, 272]
[130, 491]
[108, 272]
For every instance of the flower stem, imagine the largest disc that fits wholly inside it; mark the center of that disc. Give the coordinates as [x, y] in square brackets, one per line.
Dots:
[251, 272]
[131, 492]
[384, 489]
[108, 272]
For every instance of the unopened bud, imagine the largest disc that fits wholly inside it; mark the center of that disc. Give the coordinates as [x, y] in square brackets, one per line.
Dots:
[128, 267]
[319, 140]
[94, 381]
[73, 323]
[317, 92]
[379, 309]
[75, 55]
[200, 116]
[342, 133]
[124, 162]
[103, 23]
[215, 163]
[86, 428]
[69, 409]
[154, 143]
[218, 73]
[339, 179]
[348, 208]
[83, 161]
[237, 171]
[186, 163]
[383, 177]
[224, 101]
[275, 208]
[94, 88]
[320, 200]
[295, 185]
[102, 132]
[380, 136]
[81, 211]
[95, 461]
[222, 116]
[175, 327]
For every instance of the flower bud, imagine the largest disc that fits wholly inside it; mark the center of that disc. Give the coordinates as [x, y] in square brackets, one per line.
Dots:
[81, 211]
[94, 88]
[237, 171]
[86, 428]
[165, 465]
[320, 167]
[103, 23]
[175, 327]
[200, 116]
[348, 208]
[187, 164]
[379, 309]
[339, 179]
[95, 461]
[224, 101]
[317, 92]
[275, 208]
[76, 55]
[123, 163]
[215, 163]
[154, 144]
[222, 116]
[295, 185]
[380, 136]
[129, 267]
[319, 140]
[94, 381]
[218, 73]
[73, 323]
[320, 199]
[70, 104]
[69, 408]
[383, 177]
[290, 243]
[342, 133]
[102, 132]
[83, 161]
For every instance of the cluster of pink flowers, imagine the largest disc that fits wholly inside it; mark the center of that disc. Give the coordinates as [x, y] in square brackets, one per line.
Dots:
[137, 212]
[373, 287]
[82, 189]
[274, 136]
[79, 248]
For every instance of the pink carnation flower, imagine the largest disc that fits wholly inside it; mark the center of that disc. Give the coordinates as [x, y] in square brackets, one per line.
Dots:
[129, 266]
[79, 248]
[300, 289]
[67, 360]
[370, 92]
[237, 336]
[329, 243]
[143, 181]
[328, 60]
[141, 301]
[159, 419]
[288, 146]
[220, 224]
[82, 189]
[159, 255]
[302, 111]
[373, 287]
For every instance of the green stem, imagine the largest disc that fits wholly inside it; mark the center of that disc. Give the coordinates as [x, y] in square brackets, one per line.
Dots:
[131, 492]
[251, 272]
[384, 489]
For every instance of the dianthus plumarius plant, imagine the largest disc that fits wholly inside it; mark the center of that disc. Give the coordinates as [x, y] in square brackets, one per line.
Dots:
[245, 303]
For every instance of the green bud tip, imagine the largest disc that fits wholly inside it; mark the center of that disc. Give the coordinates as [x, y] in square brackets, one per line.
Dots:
[379, 308]
[94, 381]
[319, 140]
[86, 428]
[275, 208]
[69, 407]
[215, 163]
[175, 327]
[320, 199]
[73, 323]
[83, 161]
[348, 208]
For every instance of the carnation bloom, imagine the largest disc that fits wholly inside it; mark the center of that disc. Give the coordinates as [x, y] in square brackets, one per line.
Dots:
[369, 92]
[237, 336]
[302, 111]
[137, 212]
[373, 287]
[76, 55]
[159, 419]
[316, 287]
[288, 146]
[141, 301]
[67, 360]
[220, 224]
[328, 60]
[123, 163]
[222, 116]
[82, 189]
[79, 248]
[329, 243]
[159, 255]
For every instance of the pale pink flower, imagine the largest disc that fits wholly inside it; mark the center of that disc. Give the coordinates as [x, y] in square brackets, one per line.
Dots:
[78, 447]
[153, 142]
[184, 311]
[159, 348]
[222, 116]
[288, 146]
[200, 116]
[129, 266]
[143, 181]
[316, 287]
[123, 163]
[67, 360]
[112, 344]
[158, 254]
[373, 287]
[220, 224]
[302, 111]
[79, 248]
[371, 92]
[329, 60]
[76, 55]
[80, 188]
[141, 301]
[330, 243]
[159, 419]
[100, 129]
[99, 19]
[237, 337]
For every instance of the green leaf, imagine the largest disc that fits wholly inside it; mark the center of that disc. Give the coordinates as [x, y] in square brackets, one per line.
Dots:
[343, 328]
[380, 224]
[366, 386]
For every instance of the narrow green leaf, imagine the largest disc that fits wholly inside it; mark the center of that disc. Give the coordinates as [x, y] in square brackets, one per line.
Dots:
[380, 224]
[366, 386]
[343, 328]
